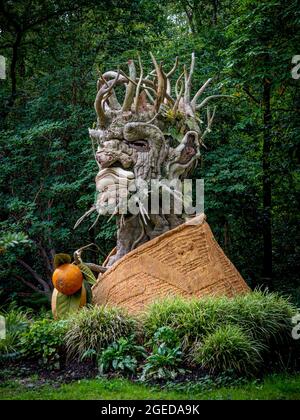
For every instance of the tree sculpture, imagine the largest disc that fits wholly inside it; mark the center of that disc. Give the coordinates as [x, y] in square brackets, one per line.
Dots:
[153, 135]
[154, 138]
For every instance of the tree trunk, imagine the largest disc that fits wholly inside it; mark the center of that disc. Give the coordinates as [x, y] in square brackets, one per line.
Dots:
[215, 12]
[267, 186]
[13, 68]
[190, 17]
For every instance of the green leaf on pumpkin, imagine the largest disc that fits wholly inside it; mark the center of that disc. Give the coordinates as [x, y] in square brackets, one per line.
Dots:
[60, 259]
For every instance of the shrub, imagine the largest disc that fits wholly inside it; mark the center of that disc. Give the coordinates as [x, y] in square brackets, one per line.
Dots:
[229, 348]
[17, 321]
[121, 356]
[45, 340]
[95, 328]
[264, 316]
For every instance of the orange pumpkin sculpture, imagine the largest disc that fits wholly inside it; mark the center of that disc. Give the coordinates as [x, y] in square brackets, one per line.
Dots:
[67, 279]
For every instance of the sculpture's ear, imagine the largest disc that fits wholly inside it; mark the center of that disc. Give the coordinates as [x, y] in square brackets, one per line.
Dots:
[188, 150]
[182, 159]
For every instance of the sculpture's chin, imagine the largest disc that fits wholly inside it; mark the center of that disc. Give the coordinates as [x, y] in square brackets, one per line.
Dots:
[113, 187]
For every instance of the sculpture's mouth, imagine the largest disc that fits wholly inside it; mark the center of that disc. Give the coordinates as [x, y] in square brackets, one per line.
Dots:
[113, 185]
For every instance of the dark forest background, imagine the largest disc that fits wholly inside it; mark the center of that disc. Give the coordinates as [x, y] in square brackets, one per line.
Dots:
[54, 52]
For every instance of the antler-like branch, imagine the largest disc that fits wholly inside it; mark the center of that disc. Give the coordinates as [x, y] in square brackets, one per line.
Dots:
[199, 93]
[188, 80]
[104, 91]
[138, 88]
[168, 75]
[204, 102]
[161, 83]
[179, 94]
[210, 119]
[187, 90]
[174, 68]
[130, 89]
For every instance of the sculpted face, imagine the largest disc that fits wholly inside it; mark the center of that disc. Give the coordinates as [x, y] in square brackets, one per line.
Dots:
[152, 136]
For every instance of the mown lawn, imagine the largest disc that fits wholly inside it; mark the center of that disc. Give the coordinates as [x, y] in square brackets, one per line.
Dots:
[273, 387]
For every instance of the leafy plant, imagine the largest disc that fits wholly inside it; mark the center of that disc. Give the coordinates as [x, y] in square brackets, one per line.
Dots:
[121, 356]
[17, 321]
[229, 348]
[45, 340]
[163, 363]
[166, 356]
[94, 328]
[166, 335]
[12, 239]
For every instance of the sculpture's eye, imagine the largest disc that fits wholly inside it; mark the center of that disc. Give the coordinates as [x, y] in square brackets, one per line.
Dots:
[139, 145]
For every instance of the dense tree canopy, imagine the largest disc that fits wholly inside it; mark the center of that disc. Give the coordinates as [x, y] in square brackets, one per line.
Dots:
[55, 51]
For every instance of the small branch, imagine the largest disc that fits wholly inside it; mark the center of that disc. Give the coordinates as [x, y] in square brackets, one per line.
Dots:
[212, 97]
[251, 96]
[29, 284]
[172, 71]
[45, 285]
[199, 93]
[188, 81]
[96, 268]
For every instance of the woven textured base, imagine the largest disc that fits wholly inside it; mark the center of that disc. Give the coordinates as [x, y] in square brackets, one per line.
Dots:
[185, 261]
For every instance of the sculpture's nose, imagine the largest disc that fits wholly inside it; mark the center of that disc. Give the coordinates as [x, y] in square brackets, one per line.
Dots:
[104, 159]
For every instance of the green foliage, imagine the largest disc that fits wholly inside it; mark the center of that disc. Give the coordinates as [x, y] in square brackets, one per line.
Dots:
[229, 348]
[166, 357]
[17, 322]
[163, 363]
[11, 240]
[94, 328]
[67, 304]
[121, 356]
[44, 341]
[263, 315]
[60, 259]
[88, 274]
[261, 321]
[165, 335]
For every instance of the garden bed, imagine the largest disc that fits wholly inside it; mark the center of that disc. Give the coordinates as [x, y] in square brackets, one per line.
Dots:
[206, 343]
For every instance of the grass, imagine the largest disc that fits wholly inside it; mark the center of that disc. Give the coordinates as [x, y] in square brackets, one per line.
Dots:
[94, 328]
[271, 388]
[263, 315]
[229, 348]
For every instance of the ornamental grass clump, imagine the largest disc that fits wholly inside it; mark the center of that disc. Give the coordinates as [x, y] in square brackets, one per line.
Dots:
[229, 348]
[266, 317]
[95, 328]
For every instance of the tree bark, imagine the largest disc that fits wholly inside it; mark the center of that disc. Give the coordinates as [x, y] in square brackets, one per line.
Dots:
[267, 185]
[13, 68]
[46, 287]
[215, 12]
